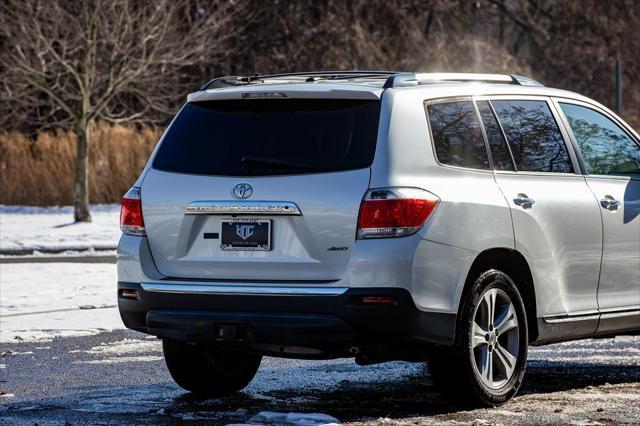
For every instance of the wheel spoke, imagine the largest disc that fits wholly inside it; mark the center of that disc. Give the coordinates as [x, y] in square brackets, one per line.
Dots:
[507, 320]
[507, 360]
[486, 365]
[490, 303]
[478, 335]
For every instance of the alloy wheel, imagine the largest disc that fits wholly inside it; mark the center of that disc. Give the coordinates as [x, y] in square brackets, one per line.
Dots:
[495, 338]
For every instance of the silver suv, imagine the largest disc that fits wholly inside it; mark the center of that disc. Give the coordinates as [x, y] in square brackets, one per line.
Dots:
[454, 218]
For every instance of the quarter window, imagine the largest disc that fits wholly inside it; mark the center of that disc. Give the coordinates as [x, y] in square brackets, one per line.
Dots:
[457, 135]
[533, 135]
[605, 147]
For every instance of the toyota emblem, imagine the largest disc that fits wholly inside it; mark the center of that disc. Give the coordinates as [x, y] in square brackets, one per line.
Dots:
[242, 191]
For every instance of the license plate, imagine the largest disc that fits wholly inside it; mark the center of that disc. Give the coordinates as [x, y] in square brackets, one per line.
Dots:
[246, 234]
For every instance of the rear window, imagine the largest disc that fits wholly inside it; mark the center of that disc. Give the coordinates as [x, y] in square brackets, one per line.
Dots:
[270, 137]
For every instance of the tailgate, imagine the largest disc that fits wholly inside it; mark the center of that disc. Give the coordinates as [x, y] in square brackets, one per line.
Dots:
[213, 200]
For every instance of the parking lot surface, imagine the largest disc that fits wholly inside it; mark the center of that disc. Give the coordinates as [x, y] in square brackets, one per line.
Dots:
[120, 377]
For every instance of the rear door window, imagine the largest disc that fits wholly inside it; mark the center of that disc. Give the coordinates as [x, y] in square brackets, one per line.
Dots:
[533, 136]
[457, 135]
[606, 148]
[257, 137]
[497, 144]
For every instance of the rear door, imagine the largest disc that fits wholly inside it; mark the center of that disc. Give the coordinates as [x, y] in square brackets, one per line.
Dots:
[556, 219]
[260, 189]
[611, 157]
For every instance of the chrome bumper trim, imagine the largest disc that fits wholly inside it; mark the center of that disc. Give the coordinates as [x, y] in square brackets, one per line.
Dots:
[242, 289]
[284, 208]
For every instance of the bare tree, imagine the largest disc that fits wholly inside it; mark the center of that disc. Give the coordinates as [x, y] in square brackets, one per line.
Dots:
[82, 61]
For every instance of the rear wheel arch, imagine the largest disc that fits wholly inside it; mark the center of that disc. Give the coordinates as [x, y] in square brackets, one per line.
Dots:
[515, 265]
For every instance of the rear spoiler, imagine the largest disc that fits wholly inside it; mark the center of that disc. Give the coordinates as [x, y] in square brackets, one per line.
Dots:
[293, 91]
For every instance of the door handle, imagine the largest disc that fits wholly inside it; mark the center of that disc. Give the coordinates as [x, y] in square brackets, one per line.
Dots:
[610, 203]
[523, 201]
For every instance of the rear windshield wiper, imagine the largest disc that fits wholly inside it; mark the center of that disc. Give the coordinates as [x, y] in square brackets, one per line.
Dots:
[272, 163]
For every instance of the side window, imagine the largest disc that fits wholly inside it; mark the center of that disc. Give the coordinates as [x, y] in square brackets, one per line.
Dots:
[533, 135]
[605, 147]
[457, 135]
[499, 149]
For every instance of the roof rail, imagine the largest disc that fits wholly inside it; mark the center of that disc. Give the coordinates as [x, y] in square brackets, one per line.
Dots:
[307, 76]
[392, 78]
[414, 79]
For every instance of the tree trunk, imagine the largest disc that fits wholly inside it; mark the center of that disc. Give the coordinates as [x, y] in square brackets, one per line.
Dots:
[81, 184]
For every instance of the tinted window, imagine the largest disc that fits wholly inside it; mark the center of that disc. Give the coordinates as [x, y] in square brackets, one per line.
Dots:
[499, 149]
[605, 147]
[253, 137]
[533, 135]
[457, 135]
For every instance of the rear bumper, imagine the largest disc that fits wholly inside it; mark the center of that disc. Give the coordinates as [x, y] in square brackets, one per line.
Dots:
[329, 320]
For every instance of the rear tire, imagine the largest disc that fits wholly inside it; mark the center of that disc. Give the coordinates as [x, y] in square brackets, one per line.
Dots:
[486, 365]
[209, 370]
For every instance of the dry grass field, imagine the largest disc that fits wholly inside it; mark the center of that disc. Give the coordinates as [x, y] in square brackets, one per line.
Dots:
[40, 171]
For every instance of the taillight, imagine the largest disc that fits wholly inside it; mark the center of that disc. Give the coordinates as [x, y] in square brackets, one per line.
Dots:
[394, 212]
[131, 221]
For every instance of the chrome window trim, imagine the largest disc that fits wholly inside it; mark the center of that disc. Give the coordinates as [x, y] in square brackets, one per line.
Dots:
[528, 173]
[281, 208]
[620, 178]
[229, 289]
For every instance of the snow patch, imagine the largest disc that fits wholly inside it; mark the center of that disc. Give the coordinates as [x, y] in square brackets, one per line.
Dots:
[297, 419]
[330, 374]
[120, 360]
[123, 351]
[40, 301]
[24, 228]
[124, 347]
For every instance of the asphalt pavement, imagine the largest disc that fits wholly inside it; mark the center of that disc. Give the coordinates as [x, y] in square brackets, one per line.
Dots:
[120, 378]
